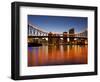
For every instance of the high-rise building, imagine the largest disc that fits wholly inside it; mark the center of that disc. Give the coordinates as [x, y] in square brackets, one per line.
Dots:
[71, 35]
[53, 39]
[50, 40]
[64, 37]
[57, 39]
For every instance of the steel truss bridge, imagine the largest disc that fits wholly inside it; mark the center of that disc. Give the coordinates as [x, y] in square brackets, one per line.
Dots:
[35, 32]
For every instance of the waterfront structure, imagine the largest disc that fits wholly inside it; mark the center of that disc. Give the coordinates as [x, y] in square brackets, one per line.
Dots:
[71, 35]
[39, 36]
[58, 39]
[53, 39]
[64, 37]
[34, 30]
[50, 40]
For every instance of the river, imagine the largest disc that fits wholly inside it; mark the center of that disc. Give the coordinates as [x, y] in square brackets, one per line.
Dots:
[57, 55]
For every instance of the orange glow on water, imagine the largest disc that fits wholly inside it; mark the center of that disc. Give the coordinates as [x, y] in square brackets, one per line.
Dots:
[57, 55]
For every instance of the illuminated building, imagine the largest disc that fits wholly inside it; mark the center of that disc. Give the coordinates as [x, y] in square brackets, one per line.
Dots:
[53, 39]
[57, 39]
[71, 35]
[64, 37]
[50, 40]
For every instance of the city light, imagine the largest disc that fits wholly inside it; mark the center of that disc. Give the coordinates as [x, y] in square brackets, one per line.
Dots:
[57, 40]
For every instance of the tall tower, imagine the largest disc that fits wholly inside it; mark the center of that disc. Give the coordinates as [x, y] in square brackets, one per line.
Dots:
[71, 35]
[64, 37]
[50, 39]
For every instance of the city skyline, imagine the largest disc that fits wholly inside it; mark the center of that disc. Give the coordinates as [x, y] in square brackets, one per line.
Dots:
[59, 23]
[57, 40]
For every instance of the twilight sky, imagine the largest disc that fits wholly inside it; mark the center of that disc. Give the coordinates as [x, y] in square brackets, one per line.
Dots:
[59, 23]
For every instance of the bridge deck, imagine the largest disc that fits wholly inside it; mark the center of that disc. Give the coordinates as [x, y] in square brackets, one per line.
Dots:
[56, 37]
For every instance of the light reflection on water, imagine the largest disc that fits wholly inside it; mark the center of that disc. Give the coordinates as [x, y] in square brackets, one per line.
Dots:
[57, 55]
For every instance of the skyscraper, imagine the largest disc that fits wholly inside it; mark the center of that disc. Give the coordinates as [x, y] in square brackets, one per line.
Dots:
[64, 37]
[71, 35]
[50, 40]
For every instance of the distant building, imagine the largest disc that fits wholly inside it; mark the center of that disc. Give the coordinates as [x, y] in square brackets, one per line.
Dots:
[50, 40]
[53, 39]
[85, 34]
[71, 35]
[58, 39]
[64, 37]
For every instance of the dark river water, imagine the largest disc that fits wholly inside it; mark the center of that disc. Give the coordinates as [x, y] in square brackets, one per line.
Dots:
[57, 55]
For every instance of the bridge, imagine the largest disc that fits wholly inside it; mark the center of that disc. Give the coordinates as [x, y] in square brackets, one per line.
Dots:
[35, 31]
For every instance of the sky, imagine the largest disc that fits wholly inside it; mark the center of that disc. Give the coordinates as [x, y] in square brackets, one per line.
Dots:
[59, 24]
